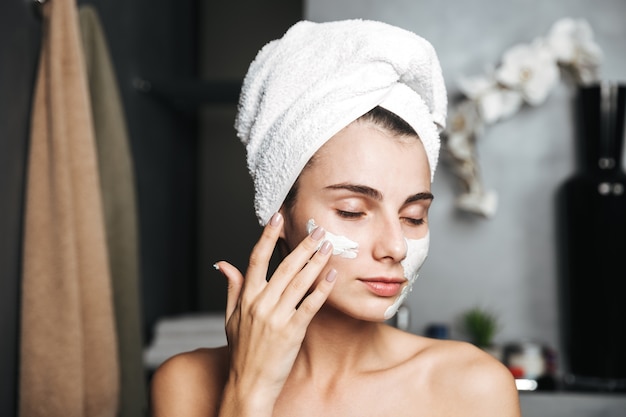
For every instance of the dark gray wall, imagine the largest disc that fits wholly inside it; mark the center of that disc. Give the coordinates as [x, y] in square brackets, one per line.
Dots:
[19, 46]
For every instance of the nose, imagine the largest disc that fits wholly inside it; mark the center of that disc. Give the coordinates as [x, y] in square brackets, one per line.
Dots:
[389, 240]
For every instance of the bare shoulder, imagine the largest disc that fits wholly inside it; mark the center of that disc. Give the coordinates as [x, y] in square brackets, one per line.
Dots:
[189, 383]
[467, 381]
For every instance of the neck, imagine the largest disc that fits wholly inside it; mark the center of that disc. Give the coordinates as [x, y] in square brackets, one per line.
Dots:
[337, 344]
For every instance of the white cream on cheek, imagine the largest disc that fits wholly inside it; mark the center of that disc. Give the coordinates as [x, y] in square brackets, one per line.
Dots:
[342, 246]
[416, 253]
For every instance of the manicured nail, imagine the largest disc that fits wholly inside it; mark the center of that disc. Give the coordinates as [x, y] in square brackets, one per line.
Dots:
[332, 274]
[276, 218]
[326, 246]
[216, 266]
[318, 233]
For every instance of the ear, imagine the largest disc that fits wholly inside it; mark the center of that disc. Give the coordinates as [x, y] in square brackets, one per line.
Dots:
[283, 248]
[283, 212]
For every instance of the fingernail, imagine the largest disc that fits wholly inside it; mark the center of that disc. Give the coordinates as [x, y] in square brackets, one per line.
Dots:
[217, 268]
[326, 246]
[276, 218]
[332, 274]
[318, 233]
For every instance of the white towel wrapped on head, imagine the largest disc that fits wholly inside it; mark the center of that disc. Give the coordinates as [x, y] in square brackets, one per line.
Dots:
[303, 88]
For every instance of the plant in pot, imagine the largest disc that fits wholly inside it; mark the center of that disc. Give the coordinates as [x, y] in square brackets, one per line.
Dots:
[481, 325]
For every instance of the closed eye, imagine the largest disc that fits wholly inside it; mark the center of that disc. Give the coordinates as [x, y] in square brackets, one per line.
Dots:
[350, 214]
[413, 222]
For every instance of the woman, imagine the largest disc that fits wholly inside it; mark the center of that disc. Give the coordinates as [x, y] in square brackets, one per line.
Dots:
[340, 122]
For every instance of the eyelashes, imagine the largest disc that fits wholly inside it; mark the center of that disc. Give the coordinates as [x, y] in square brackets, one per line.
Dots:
[350, 214]
[359, 214]
[413, 222]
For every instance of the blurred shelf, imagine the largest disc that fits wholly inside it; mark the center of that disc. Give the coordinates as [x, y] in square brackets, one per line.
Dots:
[190, 94]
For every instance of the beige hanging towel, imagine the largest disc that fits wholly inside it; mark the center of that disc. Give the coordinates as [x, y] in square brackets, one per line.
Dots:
[68, 350]
[120, 211]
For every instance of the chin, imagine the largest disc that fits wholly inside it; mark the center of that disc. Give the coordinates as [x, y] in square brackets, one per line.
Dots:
[371, 311]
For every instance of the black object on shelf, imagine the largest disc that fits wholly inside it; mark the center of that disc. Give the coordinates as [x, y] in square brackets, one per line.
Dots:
[189, 94]
[591, 221]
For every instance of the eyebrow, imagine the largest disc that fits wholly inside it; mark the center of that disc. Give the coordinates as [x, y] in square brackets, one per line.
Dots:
[419, 197]
[377, 195]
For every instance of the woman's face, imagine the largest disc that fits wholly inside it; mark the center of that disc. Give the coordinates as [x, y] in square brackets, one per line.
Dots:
[374, 189]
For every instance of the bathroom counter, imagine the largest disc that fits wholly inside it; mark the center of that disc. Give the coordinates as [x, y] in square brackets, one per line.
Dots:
[572, 404]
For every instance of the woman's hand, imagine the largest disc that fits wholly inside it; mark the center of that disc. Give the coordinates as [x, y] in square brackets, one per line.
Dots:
[266, 321]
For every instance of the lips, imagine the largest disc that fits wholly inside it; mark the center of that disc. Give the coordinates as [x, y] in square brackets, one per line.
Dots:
[384, 287]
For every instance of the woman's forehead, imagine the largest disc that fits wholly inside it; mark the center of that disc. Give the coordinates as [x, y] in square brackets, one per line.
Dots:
[367, 142]
[366, 155]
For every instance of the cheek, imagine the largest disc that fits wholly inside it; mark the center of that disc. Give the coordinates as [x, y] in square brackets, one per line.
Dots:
[417, 251]
[342, 246]
[293, 233]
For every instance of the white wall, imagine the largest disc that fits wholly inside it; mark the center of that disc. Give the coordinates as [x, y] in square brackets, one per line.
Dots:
[507, 263]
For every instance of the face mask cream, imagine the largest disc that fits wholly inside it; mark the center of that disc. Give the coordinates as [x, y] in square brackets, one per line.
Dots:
[342, 246]
[416, 253]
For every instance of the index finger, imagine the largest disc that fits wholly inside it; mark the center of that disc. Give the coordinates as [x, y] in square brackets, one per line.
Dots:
[262, 251]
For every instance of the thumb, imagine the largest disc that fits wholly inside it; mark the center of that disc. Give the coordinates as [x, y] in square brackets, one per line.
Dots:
[235, 283]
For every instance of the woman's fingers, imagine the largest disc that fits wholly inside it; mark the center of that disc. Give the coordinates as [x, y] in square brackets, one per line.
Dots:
[296, 267]
[300, 284]
[267, 321]
[315, 300]
[292, 281]
[235, 283]
[261, 254]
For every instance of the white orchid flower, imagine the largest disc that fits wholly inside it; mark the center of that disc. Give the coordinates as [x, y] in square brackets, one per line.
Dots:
[499, 103]
[475, 87]
[527, 73]
[484, 203]
[531, 69]
[463, 124]
[571, 41]
[459, 144]
[494, 102]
